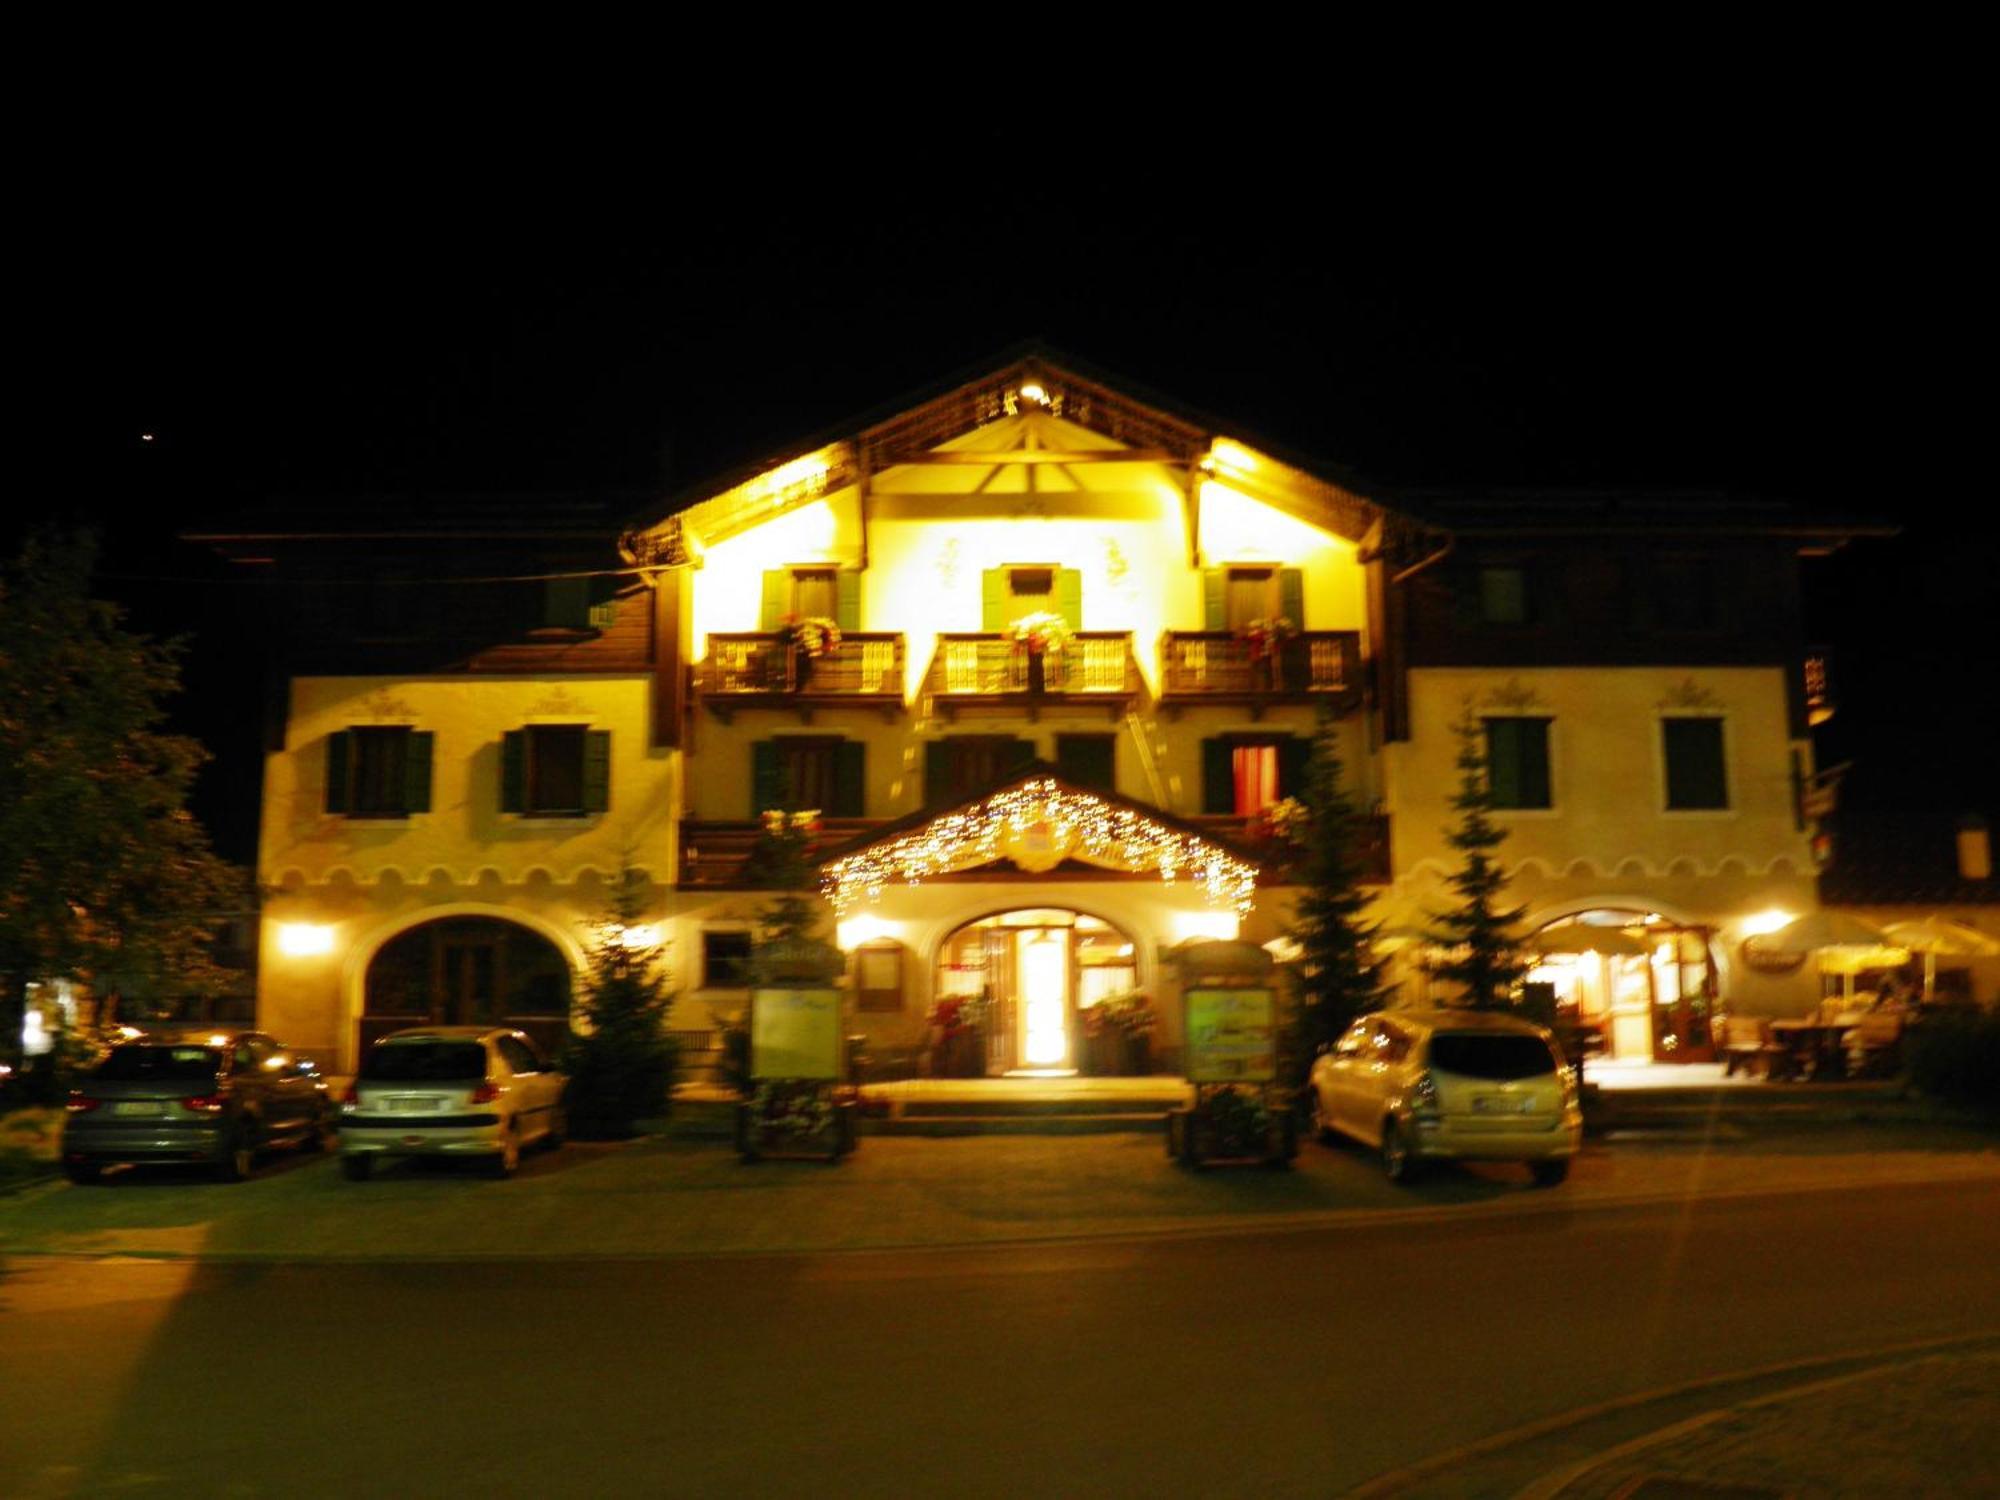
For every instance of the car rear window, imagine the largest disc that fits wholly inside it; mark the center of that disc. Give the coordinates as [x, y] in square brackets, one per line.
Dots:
[426, 1062]
[149, 1062]
[1493, 1055]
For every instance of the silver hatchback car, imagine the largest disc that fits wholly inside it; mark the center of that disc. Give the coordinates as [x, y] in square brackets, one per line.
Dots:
[451, 1091]
[1430, 1085]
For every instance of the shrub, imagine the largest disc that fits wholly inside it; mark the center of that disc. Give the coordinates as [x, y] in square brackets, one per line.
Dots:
[1954, 1056]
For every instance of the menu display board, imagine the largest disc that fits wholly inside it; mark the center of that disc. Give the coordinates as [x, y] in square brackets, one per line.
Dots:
[1232, 1036]
[795, 1034]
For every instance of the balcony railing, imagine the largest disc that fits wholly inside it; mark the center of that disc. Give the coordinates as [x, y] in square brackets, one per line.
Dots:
[764, 670]
[991, 669]
[714, 853]
[1277, 858]
[1219, 666]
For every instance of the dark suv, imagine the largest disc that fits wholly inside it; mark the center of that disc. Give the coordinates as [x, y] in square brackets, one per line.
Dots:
[217, 1097]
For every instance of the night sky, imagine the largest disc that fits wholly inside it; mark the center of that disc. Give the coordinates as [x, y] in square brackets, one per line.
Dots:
[1771, 316]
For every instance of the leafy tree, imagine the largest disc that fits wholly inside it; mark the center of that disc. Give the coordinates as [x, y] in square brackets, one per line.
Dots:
[621, 1062]
[1488, 960]
[105, 880]
[1342, 980]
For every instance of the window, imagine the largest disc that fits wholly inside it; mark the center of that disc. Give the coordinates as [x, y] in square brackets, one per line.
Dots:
[808, 773]
[1245, 774]
[1027, 589]
[1696, 777]
[961, 764]
[378, 772]
[1517, 762]
[1234, 596]
[878, 976]
[519, 1055]
[1492, 1056]
[1088, 760]
[555, 770]
[1503, 595]
[725, 960]
[811, 591]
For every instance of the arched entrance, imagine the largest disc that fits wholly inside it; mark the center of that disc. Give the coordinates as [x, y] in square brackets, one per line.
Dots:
[467, 971]
[1647, 983]
[1030, 977]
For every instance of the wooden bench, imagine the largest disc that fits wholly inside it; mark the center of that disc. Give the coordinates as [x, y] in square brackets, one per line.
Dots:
[1875, 1046]
[1746, 1043]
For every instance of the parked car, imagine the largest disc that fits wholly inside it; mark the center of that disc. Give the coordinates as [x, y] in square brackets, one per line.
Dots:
[1450, 1085]
[451, 1091]
[215, 1097]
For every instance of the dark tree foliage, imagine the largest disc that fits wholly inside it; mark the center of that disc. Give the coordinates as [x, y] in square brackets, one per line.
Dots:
[1342, 979]
[1486, 959]
[783, 863]
[621, 1061]
[105, 878]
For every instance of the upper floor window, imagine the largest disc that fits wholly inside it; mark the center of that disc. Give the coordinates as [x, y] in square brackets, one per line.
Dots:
[1244, 774]
[1697, 776]
[808, 773]
[1504, 595]
[1517, 762]
[378, 772]
[1234, 596]
[1010, 593]
[814, 591]
[959, 765]
[555, 770]
[725, 960]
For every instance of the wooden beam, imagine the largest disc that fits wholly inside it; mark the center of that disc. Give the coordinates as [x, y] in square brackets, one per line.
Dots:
[669, 673]
[1040, 456]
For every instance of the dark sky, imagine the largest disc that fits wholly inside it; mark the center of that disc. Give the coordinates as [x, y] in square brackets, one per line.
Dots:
[1773, 312]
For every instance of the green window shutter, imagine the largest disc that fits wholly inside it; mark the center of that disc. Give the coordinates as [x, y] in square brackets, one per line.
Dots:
[1503, 761]
[1088, 760]
[1292, 757]
[417, 771]
[1696, 778]
[777, 602]
[1020, 755]
[849, 788]
[937, 772]
[1069, 596]
[597, 770]
[1535, 789]
[1292, 595]
[766, 790]
[514, 771]
[993, 599]
[847, 599]
[1218, 777]
[1214, 599]
[566, 603]
[339, 758]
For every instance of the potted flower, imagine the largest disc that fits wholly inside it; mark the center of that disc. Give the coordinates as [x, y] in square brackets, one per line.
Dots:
[791, 1114]
[1137, 1020]
[1040, 635]
[1103, 1038]
[958, 1048]
[808, 639]
[1266, 637]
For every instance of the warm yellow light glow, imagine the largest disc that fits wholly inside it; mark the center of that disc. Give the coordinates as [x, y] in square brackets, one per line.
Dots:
[1034, 393]
[1236, 528]
[304, 939]
[1044, 960]
[788, 480]
[1218, 926]
[1766, 922]
[218, 1040]
[1285, 950]
[1231, 456]
[639, 935]
[856, 932]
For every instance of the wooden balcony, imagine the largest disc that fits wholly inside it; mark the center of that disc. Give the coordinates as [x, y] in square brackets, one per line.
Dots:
[1276, 858]
[991, 670]
[1218, 667]
[761, 670]
[714, 852]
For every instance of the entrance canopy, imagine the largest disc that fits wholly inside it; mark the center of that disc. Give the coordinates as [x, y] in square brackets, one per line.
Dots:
[1037, 820]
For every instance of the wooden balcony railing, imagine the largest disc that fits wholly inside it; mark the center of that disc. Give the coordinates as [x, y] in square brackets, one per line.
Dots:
[1276, 858]
[763, 670]
[714, 853]
[991, 669]
[1219, 666]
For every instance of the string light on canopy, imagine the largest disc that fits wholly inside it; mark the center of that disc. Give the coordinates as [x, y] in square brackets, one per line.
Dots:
[1038, 824]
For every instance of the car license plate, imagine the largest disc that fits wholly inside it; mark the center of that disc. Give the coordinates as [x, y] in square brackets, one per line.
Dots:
[146, 1107]
[1502, 1104]
[404, 1104]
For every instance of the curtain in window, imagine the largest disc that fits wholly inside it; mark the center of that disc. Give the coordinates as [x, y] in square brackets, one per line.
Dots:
[1256, 772]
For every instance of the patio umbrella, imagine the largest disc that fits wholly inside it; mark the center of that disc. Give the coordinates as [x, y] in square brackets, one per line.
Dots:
[1849, 939]
[1935, 935]
[1580, 937]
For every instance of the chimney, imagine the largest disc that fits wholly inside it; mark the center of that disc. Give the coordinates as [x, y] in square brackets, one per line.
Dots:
[1975, 849]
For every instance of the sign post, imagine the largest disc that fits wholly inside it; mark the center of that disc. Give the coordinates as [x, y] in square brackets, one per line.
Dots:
[799, 1102]
[1231, 1031]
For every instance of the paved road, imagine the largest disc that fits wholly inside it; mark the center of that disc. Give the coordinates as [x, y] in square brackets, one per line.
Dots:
[1265, 1363]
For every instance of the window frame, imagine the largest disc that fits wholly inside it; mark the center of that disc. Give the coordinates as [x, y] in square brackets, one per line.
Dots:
[1521, 568]
[1663, 763]
[708, 959]
[1549, 767]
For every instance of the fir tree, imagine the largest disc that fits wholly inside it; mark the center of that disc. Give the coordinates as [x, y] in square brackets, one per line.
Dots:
[1342, 980]
[783, 863]
[1488, 961]
[621, 1064]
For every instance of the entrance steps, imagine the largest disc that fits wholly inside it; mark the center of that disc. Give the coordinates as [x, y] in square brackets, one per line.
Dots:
[1020, 1106]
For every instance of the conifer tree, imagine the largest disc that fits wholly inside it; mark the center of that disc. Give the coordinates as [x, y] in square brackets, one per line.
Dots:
[1486, 958]
[1342, 980]
[621, 1064]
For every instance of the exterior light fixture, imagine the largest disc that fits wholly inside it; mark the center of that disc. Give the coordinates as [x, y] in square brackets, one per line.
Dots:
[858, 932]
[639, 935]
[304, 939]
[1764, 923]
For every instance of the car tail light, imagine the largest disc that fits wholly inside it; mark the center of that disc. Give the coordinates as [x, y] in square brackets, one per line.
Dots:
[1424, 1094]
[486, 1093]
[352, 1096]
[204, 1104]
[80, 1103]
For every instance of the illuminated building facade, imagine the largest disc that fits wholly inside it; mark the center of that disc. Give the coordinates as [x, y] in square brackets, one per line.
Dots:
[1043, 655]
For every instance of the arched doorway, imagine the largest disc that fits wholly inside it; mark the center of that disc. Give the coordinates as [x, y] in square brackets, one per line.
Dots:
[1647, 983]
[1030, 976]
[467, 971]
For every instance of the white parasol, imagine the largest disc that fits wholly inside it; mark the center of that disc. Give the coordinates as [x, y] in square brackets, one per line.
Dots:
[1934, 936]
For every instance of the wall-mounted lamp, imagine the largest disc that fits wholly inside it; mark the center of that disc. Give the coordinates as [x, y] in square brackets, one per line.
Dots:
[304, 939]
